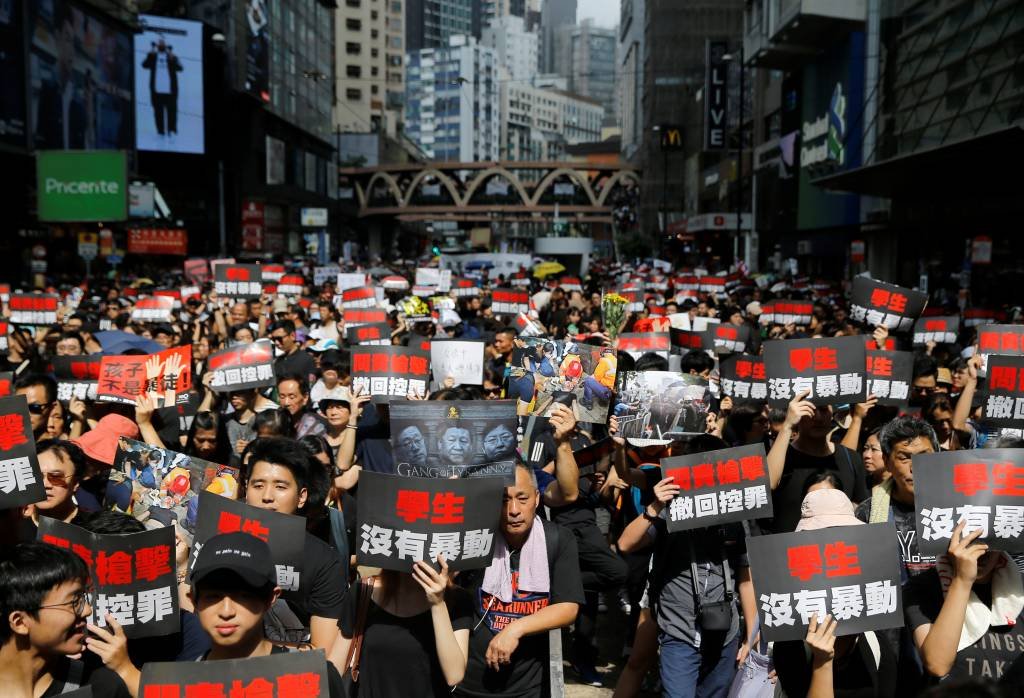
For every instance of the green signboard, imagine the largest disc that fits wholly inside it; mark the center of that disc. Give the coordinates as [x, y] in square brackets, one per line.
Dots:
[82, 185]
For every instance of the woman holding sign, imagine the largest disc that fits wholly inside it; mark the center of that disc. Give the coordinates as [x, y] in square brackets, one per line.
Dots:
[418, 623]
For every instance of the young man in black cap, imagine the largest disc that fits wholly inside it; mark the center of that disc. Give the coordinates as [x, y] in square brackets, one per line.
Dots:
[234, 584]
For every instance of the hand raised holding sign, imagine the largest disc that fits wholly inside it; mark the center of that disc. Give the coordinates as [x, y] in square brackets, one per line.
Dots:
[821, 638]
[964, 554]
[799, 407]
[434, 582]
[111, 645]
[880, 334]
[563, 422]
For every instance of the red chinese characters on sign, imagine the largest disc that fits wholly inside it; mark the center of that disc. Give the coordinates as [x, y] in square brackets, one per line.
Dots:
[12, 431]
[746, 368]
[368, 333]
[837, 560]
[1000, 341]
[818, 359]
[1004, 479]
[727, 472]
[33, 303]
[890, 300]
[1004, 378]
[878, 366]
[233, 523]
[284, 686]
[415, 505]
[158, 241]
[888, 345]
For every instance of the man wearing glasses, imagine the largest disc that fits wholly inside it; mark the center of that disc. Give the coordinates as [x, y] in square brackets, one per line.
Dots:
[41, 393]
[63, 465]
[44, 609]
[293, 360]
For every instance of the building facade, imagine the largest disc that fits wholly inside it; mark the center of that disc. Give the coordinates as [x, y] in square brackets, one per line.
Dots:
[431, 23]
[593, 65]
[514, 47]
[630, 61]
[452, 106]
[539, 124]
[555, 16]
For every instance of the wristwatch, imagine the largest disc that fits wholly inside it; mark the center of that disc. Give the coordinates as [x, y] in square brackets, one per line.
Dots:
[647, 515]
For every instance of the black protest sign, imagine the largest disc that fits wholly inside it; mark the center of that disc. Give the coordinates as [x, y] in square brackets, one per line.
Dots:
[595, 457]
[850, 572]
[280, 675]
[77, 376]
[6, 383]
[1004, 406]
[373, 334]
[391, 371]
[238, 280]
[454, 438]
[742, 377]
[362, 297]
[877, 303]
[460, 359]
[636, 344]
[509, 301]
[284, 534]
[21, 481]
[154, 309]
[133, 575]
[689, 339]
[999, 339]
[830, 369]
[33, 308]
[889, 374]
[655, 407]
[718, 487]
[939, 329]
[727, 337]
[242, 368]
[364, 316]
[786, 312]
[984, 488]
[402, 520]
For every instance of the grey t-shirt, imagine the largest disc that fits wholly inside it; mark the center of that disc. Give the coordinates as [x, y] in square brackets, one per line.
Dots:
[671, 586]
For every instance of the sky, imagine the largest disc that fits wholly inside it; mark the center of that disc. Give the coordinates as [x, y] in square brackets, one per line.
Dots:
[605, 13]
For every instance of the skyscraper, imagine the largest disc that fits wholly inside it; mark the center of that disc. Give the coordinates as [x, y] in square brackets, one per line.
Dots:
[553, 15]
[431, 23]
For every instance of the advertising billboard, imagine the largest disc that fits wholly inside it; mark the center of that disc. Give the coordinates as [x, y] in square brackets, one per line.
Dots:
[80, 75]
[257, 49]
[169, 85]
[12, 74]
[80, 186]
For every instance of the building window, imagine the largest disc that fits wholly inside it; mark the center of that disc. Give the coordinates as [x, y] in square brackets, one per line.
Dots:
[374, 52]
[353, 24]
[353, 71]
[353, 49]
[374, 89]
[373, 72]
[353, 94]
[353, 3]
[374, 33]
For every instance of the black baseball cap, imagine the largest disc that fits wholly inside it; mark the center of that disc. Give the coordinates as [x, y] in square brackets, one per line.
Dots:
[246, 556]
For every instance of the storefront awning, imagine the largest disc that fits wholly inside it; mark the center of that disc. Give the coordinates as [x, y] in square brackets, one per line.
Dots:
[988, 164]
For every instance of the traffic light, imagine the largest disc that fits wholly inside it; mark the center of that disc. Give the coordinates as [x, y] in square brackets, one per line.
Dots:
[435, 248]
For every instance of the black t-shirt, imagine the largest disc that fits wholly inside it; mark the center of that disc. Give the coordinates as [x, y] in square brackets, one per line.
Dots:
[189, 642]
[914, 563]
[787, 497]
[298, 363]
[406, 643]
[854, 676]
[103, 681]
[27, 529]
[322, 583]
[525, 675]
[997, 654]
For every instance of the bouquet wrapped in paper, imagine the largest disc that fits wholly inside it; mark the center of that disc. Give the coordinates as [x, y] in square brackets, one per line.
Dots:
[613, 308]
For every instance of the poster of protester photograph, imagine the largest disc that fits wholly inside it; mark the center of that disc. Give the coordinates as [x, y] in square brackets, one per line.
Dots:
[133, 575]
[848, 572]
[982, 487]
[546, 371]
[159, 484]
[403, 520]
[655, 407]
[454, 438]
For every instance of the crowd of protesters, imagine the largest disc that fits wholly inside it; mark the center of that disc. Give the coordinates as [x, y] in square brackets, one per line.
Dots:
[581, 552]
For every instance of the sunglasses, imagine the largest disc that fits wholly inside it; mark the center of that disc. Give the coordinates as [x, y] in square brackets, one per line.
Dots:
[492, 391]
[38, 407]
[278, 339]
[56, 479]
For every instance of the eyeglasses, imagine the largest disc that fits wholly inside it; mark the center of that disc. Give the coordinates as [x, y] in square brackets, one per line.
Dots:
[278, 338]
[79, 602]
[56, 479]
[38, 407]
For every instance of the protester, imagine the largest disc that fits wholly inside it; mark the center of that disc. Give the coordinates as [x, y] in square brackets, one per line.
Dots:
[233, 588]
[44, 604]
[535, 567]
